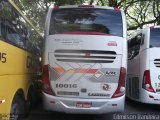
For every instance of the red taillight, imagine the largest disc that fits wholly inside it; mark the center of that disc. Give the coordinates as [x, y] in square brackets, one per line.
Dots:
[121, 86]
[116, 8]
[46, 82]
[112, 43]
[56, 8]
[86, 6]
[147, 82]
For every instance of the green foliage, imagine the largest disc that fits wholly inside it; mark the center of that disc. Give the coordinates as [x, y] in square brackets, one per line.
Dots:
[70, 2]
[138, 12]
[35, 10]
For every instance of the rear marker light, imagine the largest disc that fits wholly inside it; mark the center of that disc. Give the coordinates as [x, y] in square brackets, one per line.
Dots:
[2, 101]
[112, 44]
[116, 8]
[56, 8]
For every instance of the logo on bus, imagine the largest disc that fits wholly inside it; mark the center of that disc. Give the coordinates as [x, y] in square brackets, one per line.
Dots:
[99, 94]
[106, 87]
[110, 73]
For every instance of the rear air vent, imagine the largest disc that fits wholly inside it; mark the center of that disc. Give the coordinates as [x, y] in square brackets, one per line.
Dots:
[85, 56]
[157, 62]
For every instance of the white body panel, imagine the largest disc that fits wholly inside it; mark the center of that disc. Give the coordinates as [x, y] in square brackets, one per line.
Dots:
[99, 106]
[144, 60]
[84, 79]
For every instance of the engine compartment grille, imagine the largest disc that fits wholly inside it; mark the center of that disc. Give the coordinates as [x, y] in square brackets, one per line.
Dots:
[85, 56]
[157, 62]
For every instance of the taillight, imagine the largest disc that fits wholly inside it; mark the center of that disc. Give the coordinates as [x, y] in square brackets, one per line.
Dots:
[121, 85]
[116, 8]
[46, 81]
[56, 8]
[147, 82]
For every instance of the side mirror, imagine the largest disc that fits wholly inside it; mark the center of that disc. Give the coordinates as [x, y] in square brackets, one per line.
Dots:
[139, 37]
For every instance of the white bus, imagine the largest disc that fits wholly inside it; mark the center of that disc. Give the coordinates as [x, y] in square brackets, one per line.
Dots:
[143, 78]
[85, 59]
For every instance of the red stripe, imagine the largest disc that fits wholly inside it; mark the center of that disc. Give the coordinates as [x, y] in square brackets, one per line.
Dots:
[92, 71]
[60, 70]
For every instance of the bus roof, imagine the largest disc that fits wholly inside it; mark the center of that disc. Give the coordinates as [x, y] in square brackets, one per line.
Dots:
[155, 26]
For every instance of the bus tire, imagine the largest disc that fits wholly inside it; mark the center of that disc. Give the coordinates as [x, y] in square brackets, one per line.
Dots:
[29, 101]
[17, 108]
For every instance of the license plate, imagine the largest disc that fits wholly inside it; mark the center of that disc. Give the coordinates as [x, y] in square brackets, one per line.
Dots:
[83, 104]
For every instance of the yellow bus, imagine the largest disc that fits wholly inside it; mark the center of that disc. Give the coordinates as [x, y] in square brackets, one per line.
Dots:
[20, 53]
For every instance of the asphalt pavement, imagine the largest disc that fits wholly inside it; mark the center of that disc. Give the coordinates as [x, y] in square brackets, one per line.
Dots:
[133, 111]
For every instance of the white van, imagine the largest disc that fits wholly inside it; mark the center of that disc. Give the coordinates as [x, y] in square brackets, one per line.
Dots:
[143, 79]
[85, 59]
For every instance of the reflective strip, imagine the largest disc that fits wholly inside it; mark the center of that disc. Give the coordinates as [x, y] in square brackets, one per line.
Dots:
[71, 71]
[92, 70]
[81, 70]
[60, 70]
[2, 101]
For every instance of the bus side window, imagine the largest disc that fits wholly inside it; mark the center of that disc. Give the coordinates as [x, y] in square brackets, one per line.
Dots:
[12, 36]
[134, 46]
[3, 31]
[142, 39]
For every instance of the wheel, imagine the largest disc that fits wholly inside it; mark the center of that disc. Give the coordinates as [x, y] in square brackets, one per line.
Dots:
[17, 108]
[31, 97]
[31, 100]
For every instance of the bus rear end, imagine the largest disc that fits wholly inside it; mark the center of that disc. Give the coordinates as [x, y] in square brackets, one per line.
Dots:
[151, 76]
[84, 66]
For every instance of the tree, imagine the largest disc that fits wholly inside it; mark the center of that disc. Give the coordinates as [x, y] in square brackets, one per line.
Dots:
[35, 10]
[139, 13]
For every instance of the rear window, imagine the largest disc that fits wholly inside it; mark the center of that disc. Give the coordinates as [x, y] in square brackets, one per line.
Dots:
[155, 37]
[86, 20]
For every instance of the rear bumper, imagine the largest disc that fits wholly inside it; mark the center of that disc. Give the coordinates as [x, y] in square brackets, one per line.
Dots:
[68, 105]
[149, 97]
